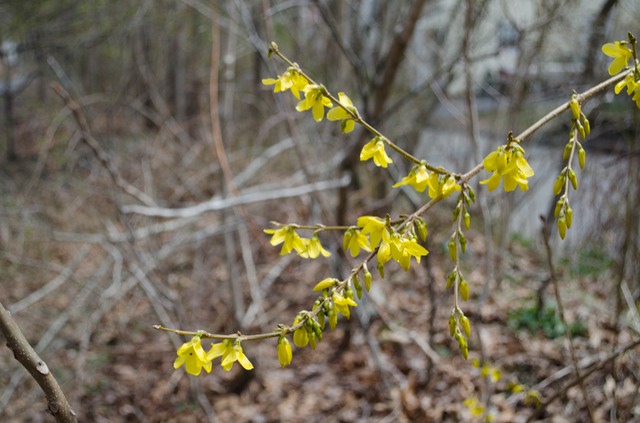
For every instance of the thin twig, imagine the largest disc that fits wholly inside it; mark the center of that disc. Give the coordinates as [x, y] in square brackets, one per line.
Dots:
[97, 149]
[567, 329]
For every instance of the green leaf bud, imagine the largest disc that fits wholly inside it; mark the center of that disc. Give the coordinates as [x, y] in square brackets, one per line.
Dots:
[357, 285]
[317, 330]
[472, 194]
[316, 304]
[380, 270]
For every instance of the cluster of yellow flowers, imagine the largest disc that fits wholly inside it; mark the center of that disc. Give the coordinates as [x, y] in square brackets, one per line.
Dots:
[194, 358]
[508, 162]
[290, 240]
[621, 52]
[371, 232]
[439, 184]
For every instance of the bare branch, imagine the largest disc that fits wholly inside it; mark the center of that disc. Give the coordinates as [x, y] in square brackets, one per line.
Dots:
[23, 352]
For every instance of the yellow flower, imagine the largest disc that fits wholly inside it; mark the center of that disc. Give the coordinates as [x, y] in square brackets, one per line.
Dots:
[284, 352]
[193, 357]
[342, 303]
[289, 238]
[442, 185]
[313, 248]
[375, 227]
[630, 82]
[510, 164]
[474, 406]
[401, 250]
[417, 178]
[354, 240]
[233, 354]
[339, 113]
[291, 79]
[314, 100]
[620, 53]
[375, 149]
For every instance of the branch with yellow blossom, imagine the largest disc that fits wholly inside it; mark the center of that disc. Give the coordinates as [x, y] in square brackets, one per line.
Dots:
[384, 239]
[317, 97]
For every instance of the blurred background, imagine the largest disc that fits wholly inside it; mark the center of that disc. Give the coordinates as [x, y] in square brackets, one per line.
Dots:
[141, 199]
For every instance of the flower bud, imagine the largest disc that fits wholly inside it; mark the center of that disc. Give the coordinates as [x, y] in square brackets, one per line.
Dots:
[562, 227]
[559, 184]
[464, 289]
[367, 279]
[453, 324]
[333, 317]
[317, 330]
[453, 250]
[464, 349]
[456, 212]
[321, 319]
[586, 124]
[472, 194]
[380, 270]
[567, 151]
[284, 351]
[573, 178]
[559, 206]
[575, 108]
[451, 279]
[300, 337]
[463, 242]
[581, 131]
[569, 216]
[325, 284]
[467, 220]
[582, 157]
[421, 228]
[466, 326]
